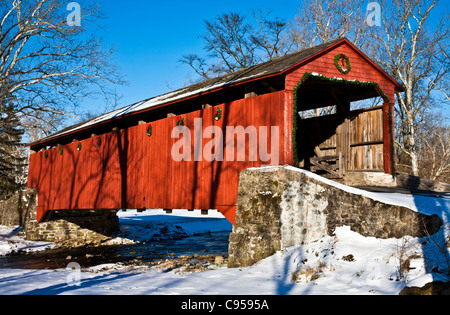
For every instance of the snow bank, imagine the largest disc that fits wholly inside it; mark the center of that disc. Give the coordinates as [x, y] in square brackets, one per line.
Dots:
[346, 263]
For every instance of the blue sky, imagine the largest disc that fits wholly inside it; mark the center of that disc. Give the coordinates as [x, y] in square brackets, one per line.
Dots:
[151, 36]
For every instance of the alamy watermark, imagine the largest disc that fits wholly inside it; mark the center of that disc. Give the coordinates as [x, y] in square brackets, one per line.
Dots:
[373, 17]
[74, 278]
[74, 17]
[215, 144]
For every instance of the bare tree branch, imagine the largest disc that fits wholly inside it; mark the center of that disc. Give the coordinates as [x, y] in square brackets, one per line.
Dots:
[47, 65]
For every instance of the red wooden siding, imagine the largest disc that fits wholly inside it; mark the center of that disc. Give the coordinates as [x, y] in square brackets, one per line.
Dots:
[133, 171]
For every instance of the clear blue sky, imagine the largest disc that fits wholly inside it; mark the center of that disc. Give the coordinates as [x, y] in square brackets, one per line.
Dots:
[151, 36]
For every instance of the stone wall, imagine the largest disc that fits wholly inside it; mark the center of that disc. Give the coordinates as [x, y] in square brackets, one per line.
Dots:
[72, 225]
[281, 207]
[20, 210]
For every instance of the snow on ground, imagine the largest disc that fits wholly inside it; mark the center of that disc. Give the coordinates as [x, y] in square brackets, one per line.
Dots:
[346, 263]
[10, 242]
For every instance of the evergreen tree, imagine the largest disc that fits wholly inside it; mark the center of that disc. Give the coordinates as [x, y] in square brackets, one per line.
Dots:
[12, 158]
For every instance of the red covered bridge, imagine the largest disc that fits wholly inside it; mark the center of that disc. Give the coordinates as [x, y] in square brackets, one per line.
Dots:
[124, 160]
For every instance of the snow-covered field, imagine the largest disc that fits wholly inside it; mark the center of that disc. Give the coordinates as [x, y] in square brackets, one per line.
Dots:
[346, 263]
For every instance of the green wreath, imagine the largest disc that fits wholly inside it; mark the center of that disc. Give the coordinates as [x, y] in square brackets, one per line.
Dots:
[149, 130]
[61, 150]
[79, 146]
[46, 154]
[339, 57]
[217, 114]
[99, 142]
[180, 122]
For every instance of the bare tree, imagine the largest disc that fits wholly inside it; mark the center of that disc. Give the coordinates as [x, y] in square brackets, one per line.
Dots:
[48, 64]
[414, 52]
[433, 147]
[320, 21]
[269, 35]
[233, 44]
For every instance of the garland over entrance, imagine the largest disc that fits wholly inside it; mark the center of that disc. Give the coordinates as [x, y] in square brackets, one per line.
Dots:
[341, 81]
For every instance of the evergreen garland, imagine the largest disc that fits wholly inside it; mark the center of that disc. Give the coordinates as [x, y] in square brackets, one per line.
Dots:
[338, 80]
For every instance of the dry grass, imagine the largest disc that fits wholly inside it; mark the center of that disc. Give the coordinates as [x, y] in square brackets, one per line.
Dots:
[311, 273]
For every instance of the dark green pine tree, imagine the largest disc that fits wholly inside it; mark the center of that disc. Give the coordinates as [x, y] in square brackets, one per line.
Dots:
[12, 158]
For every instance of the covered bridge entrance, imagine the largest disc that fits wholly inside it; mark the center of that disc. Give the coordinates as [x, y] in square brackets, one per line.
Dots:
[332, 136]
[186, 149]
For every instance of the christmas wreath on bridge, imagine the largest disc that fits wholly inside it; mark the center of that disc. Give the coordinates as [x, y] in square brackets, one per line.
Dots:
[180, 122]
[217, 113]
[345, 61]
[149, 130]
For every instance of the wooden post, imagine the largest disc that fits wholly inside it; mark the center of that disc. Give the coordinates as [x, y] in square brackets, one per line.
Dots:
[387, 129]
[341, 165]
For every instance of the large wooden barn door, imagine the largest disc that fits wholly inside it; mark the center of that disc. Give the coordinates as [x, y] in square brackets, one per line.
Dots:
[346, 141]
[366, 140]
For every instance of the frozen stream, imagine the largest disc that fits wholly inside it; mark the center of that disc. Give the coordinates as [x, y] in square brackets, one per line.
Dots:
[158, 236]
[143, 253]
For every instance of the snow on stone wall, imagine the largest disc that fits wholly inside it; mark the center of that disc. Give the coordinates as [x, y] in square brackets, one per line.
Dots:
[281, 207]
